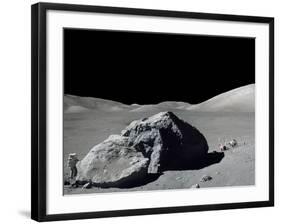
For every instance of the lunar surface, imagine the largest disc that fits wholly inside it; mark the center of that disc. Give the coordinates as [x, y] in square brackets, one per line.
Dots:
[231, 115]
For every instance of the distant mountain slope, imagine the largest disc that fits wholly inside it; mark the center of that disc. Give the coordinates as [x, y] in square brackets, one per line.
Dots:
[174, 104]
[237, 100]
[167, 105]
[78, 104]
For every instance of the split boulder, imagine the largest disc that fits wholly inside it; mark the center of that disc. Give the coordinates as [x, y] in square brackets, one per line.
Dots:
[147, 146]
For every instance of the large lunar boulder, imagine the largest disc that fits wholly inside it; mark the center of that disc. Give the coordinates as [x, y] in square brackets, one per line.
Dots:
[112, 163]
[166, 140]
[147, 146]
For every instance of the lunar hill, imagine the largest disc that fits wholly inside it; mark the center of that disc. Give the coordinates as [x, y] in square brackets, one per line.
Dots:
[237, 100]
[74, 104]
[241, 99]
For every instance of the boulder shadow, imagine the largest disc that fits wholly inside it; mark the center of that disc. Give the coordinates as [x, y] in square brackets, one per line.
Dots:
[141, 181]
[133, 182]
[197, 163]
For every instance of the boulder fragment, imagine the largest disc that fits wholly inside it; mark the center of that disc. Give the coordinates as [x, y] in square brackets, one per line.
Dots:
[166, 140]
[112, 163]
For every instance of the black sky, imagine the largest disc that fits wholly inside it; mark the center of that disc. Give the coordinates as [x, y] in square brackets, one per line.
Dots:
[144, 68]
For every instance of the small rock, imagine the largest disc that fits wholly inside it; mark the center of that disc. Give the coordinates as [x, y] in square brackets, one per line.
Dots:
[75, 185]
[195, 186]
[217, 172]
[233, 143]
[66, 182]
[223, 148]
[87, 186]
[206, 178]
[178, 178]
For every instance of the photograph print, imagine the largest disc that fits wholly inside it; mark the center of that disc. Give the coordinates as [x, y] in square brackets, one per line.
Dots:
[150, 111]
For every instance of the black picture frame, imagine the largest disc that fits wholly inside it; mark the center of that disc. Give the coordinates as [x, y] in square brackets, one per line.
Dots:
[39, 122]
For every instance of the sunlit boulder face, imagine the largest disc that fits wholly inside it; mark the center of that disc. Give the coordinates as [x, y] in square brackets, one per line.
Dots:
[112, 163]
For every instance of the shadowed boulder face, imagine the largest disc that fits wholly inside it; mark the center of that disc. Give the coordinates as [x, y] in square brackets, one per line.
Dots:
[166, 140]
[147, 146]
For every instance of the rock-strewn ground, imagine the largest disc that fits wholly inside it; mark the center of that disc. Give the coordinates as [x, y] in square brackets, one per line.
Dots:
[85, 129]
